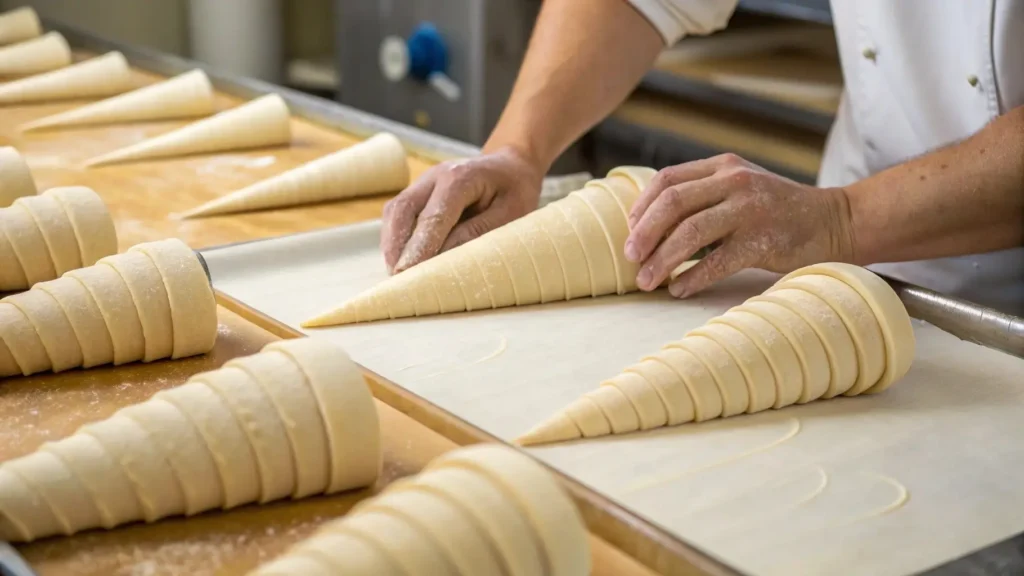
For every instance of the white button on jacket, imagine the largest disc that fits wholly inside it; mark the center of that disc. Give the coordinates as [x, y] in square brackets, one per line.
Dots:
[919, 74]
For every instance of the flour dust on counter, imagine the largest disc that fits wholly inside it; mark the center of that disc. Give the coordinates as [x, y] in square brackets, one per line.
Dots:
[19, 25]
[35, 56]
[15, 179]
[97, 77]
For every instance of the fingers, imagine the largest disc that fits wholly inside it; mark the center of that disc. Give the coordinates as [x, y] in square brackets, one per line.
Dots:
[399, 218]
[690, 235]
[673, 175]
[436, 221]
[473, 228]
[723, 262]
[674, 205]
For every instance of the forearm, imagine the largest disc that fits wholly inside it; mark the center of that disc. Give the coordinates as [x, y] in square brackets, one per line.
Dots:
[963, 199]
[583, 60]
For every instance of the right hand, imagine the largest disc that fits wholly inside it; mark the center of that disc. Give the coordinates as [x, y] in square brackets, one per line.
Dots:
[455, 202]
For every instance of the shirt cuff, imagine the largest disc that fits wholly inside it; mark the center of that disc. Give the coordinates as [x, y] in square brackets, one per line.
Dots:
[674, 19]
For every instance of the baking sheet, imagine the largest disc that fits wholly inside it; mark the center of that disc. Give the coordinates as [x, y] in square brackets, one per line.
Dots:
[888, 484]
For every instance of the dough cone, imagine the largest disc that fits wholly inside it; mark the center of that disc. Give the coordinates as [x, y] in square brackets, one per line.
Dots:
[569, 249]
[99, 77]
[19, 25]
[45, 236]
[15, 178]
[478, 510]
[256, 124]
[35, 56]
[151, 303]
[774, 350]
[371, 167]
[184, 96]
[210, 443]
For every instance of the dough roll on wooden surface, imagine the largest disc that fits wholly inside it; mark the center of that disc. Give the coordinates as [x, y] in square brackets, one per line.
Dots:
[95, 78]
[150, 303]
[260, 123]
[19, 25]
[45, 236]
[571, 248]
[374, 166]
[42, 54]
[485, 509]
[185, 96]
[15, 178]
[222, 439]
[821, 331]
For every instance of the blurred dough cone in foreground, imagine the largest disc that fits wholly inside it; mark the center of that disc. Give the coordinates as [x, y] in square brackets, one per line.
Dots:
[42, 54]
[297, 419]
[485, 509]
[19, 25]
[98, 77]
[374, 166]
[821, 331]
[15, 180]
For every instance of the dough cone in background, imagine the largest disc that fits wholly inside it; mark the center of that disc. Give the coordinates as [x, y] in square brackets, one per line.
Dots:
[98, 77]
[569, 249]
[19, 25]
[150, 303]
[821, 331]
[260, 123]
[185, 96]
[478, 510]
[297, 419]
[15, 179]
[372, 167]
[49, 52]
[45, 236]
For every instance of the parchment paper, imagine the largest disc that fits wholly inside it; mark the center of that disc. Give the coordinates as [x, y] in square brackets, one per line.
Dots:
[896, 483]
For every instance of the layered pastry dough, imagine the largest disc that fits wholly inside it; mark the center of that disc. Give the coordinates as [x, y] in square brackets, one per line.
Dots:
[150, 303]
[821, 331]
[15, 178]
[478, 510]
[220, 440]
[98, 77]
[19, 25]
[35, 56]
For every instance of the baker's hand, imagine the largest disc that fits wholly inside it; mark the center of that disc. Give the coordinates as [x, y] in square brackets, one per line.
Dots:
[455, 202]
[761, 220]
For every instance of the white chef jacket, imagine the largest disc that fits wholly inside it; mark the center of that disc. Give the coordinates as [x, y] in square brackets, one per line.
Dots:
[919, 74]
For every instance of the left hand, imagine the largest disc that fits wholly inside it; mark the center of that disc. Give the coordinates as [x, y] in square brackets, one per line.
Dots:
[762, 220]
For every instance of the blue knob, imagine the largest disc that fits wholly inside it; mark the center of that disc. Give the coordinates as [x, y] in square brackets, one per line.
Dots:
[427, 52]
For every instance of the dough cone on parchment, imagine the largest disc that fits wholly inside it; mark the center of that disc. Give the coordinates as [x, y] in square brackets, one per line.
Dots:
[15, 180]
[374, 166]
[184, 96]
[297, 419]
[19, 25]
[571, 248]
[260, 123]
[42, 54]
[821, 331]
[98, 77]
[44, 236]
[482, 510]
[150, 303]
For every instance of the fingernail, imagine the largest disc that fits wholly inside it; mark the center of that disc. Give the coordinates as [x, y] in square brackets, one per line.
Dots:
[632, 254]
[644, 278]
[677, 290]
[632, 220]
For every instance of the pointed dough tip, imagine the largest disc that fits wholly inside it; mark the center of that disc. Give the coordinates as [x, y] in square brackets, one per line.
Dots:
[558, 428]
[336, 317]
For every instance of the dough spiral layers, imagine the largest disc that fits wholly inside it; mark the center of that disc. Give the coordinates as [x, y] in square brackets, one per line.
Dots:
[474, 511]
[15, 180]
[294, 420]
[45, 236]
[821, 331]
[569, 249]
[42, 54]
[19, 25]
[149, 303]
[101, 76]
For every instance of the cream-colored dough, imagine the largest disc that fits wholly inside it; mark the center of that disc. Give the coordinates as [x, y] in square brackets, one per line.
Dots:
[267, 435]
[260, 123]
[101, 76]
[224, 437]
[12, 277]
[581, 419]
[552, 222]
[146, 285]
[90, 220]
[15, 178]
[286, 386]
[496, 275]
[343, 554]
[347, 408]
[641, 176]
[85, 318]
[51, 326]
[54, 225]
[728, 377]
[184, 96]
[42, 54]
[109, 486]
[598, 254]
[22, 340]
[859, 320]
[406, 544]
[513, 253]
[784, 363]
[19, 25]
[607, 208]
[706, 396]
[669, 387]
[115, 302]
[551, 513]
[842, 356]
[650, 409]
[154, 480]
[546, 264]
[889, 311]
[617, 408]
[180, 442]
[756, 372]
[193, 307]
[63, 492]
[8, 365]
[450, 295]
[24, 515]
[28, 244]
[374, 166]
[297, 563]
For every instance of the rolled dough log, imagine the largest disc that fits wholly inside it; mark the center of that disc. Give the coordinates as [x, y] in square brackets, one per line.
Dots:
[24, 514]
[649, 407]
[56, 229]
[406, 544]
[8, 365]
[63, 492]
[15, 177]
[343, 553]
[260, 123]
[146, 286]
[115, 302]
[556, 228]
[184, 96]
[101, 76]
[51, 326]
[85, 318]
[28, 244]
[588, 229]
[727, 374]
[616, 408]
[12, 277]
[90, 220]
[757, 373]
[706, 396]
[42, 54]
[606, 198]
[19, 25]
[669, 386]
[22, 340]
[781, 357]
[545, 261]
[305, 564]
[525, 281]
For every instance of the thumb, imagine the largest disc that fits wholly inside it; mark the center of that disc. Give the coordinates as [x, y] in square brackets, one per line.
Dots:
[721, 263]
